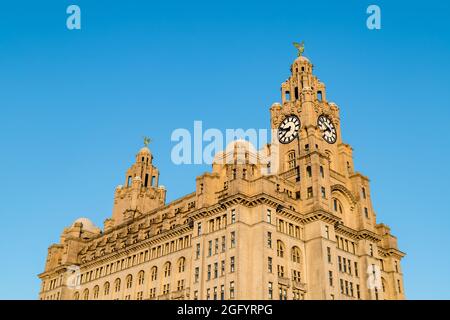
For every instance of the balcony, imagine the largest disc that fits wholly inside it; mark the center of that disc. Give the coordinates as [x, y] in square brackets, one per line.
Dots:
[298, 285]
[180, 294]
[284, 281]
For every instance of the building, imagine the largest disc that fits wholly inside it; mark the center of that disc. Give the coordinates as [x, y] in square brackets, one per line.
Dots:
[304, 228]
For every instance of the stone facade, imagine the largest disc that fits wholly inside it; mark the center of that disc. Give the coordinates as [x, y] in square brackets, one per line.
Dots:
[303, 229]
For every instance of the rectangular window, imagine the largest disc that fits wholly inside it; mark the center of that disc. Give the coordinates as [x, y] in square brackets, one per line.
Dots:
[199, 228]
[232, 264]
[351, 289]
[371, 250]
[349, 266]
[356, 269]
[215, 293]
[270, 290]
[358, 294]
[233, 239]
[208, 293]
[197, 251]
[324, 195]
[344, 264]
[196, 274]
[232, 290]
[364, 193]
[222, 292]
[233, 216]
[269, 239]
[340, 263]
[216, 246]
[327, 232]
[269, 216]
[310, 192]
[329, 254]
[216, 269]
[366, 212]
[196, 295]
[269, 264]
[209, 272]
[330, 278]
[342, 285]
[209, 248]
[223, 244]
[222, 267]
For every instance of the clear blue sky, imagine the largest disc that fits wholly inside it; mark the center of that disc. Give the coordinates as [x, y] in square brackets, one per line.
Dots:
[75, 104]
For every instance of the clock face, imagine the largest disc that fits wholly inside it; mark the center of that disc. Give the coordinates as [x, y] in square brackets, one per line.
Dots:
[328, 130]
[288, 129]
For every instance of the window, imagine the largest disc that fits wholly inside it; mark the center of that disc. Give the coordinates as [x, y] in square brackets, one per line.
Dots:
[86, 294]
[222, 267]
[129, 281]
[340, 263]
[280, 249]
[181, 264]
[233, 239]
[363, 191]
[195, 295]
[371, 250]
[356, 269]
[344, 264]
[141, 276]
[216, 246]
[319, 95]
[196, 274]
[396, 265]
[309, 171]
[269, 239]
[154, 273]
[222, 292]
[399, 286]
[327, 232]
[232, 290]
[341, 285]
[309, 192]
[296, 254]
[358, 294]
[199, 228]
[215, 293]
[321, 172]
[139, 295]
[296, 275]
[322, 189]
[152, 292]
[280, 271]
[117, 285]
[167, 269]
[291, 159]
[166, 288]
[351, 289]
[269, 216]
[330, 278]
[269, 264]
[96, 290]
[223, 244]
[270, 290]
[180, 285]
[197, 251]
[329, 254]
[233, 216]
[209, 272]
[209, 248]
[366, 212]
[106, 288]
[216, 269]
[232, 264]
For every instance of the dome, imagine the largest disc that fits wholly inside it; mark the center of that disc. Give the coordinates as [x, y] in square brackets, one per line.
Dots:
[87, 225]
[145, 150]
[302, 59]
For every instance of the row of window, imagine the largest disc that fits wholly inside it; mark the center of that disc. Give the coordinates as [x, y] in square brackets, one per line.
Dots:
[346, 245]
[345, 265]
[214, 294]
[213, 270]
[287, 228]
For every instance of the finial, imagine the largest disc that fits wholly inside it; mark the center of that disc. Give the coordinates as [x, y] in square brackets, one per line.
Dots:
[147, 140]
[300, 47]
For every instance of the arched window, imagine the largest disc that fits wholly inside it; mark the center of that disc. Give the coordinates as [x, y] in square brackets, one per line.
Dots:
[96, 290]
[86, 294]
[295, 253]
[106, 288]
[337, 206]
[167, 269]
[181, 264]
[154, 273]
[129, 281]
[141, 276]
[117, 285]
[280, 248]
[309, 171]
[76, 296]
